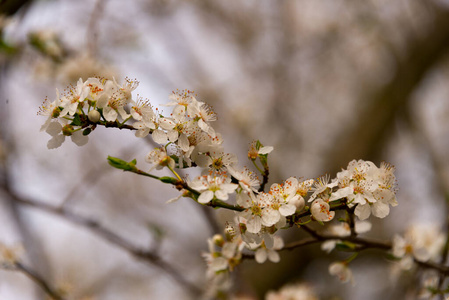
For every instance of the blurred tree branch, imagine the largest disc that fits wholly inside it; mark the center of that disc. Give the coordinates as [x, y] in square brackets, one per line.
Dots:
[374, 122]
[36, 278]
[148, 257]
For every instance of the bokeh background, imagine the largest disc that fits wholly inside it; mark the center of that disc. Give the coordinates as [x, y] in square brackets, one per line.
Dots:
[324, 82]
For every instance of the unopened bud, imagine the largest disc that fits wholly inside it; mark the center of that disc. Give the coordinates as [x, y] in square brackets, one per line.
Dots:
[67, 130]
[94, 116]
[218, 240]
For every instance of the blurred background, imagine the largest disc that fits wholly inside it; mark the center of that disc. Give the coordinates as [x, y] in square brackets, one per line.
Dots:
[324, 82]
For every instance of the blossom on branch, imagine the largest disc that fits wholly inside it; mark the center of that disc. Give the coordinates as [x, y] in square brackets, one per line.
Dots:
[210, 186]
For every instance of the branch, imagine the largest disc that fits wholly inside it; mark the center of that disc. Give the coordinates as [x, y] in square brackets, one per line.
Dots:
[17, 266]
[144, 255]
[377, 117]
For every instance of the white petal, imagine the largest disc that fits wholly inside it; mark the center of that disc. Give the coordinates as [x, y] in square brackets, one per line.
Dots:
[299, 203]
[363, 211]
[229, 187]
[341, 193]
[287, 210]
[203, 161]
[141, 133]
[328, 245]
[79, 139]
[421, 253]
[270, 217]
[54, 128]
[380, 209]
[261, 255]
[123, 113]
[56, 141]
[109, 114]
[273, 256]
[254, 224]
[159, 136]
[172, 136]
[228, 250]
[205, 197]
[222, 195]
[183, 143]
[268, 239]
[265, 150]
[219, 263]
[362, 226]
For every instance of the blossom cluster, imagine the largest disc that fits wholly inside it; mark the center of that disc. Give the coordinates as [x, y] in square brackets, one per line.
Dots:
[421, 242]
[187, 139]
[75, 112]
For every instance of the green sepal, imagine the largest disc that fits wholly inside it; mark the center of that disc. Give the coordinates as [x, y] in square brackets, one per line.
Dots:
[76, 120]
[262, 157]
[87, 131]
[264, 160]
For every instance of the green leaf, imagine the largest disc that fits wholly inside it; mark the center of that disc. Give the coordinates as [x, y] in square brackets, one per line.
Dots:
[345, 246]
[121, 164]
[76, 120]
[167, 179]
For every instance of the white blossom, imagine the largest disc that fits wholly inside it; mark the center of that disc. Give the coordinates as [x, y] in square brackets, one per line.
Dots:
[213, 186]
[342, 271]
[263, 252]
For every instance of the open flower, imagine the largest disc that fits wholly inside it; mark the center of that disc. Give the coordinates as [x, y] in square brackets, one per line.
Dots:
[213, 186]
[421, 241]
[59, 132]
[160, 159]
[248, 181]
[342, 271]
[253, 152]
[270, 253]
[370, 189]
[256, 213]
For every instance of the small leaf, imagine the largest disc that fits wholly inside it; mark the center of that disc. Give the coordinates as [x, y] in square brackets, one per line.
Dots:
[76, 120]
[345, 246]
[121, 164]
[167, 179]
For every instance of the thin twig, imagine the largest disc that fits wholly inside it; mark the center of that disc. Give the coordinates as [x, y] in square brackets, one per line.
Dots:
[146, 256]
[17, 266]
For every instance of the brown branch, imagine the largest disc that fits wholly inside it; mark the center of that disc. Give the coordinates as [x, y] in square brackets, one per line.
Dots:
[17, 266]
[373, 123]
[146, 256]
[265, 175]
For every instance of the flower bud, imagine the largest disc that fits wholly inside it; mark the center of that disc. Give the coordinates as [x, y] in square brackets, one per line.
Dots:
[218, 240]
[94, 116]
[67, 130]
